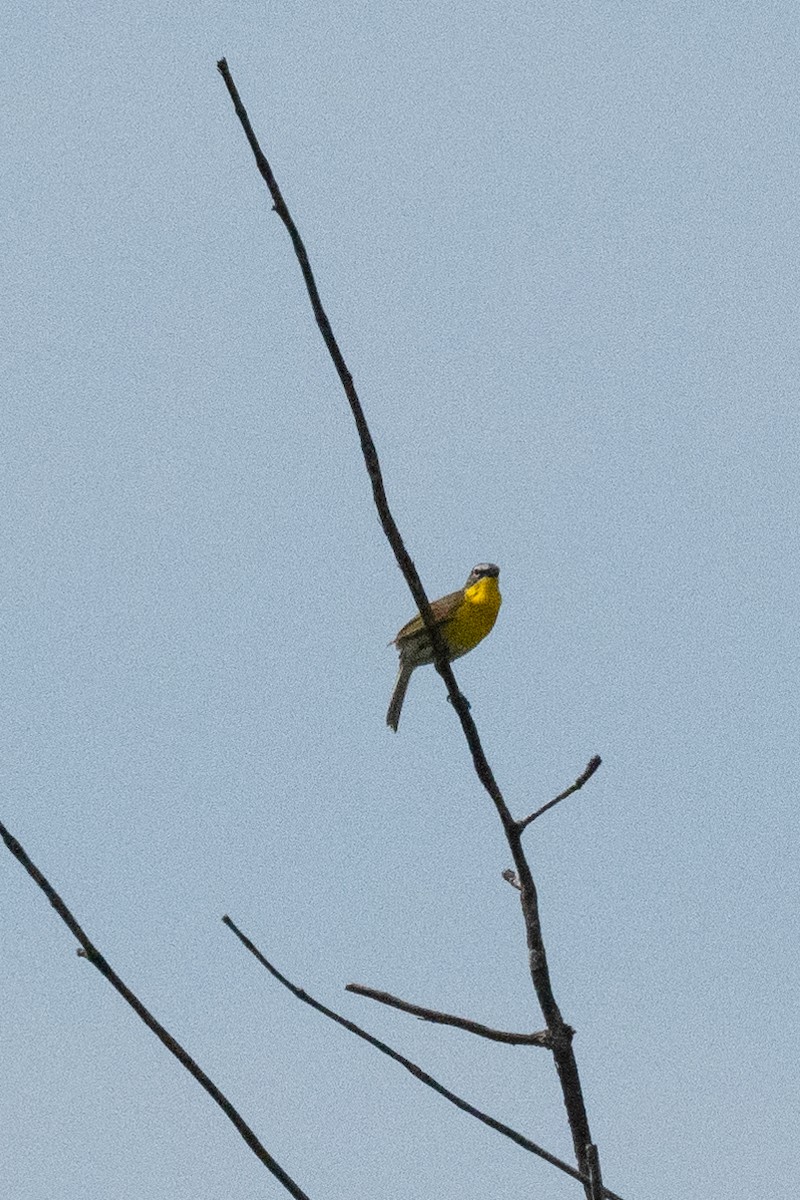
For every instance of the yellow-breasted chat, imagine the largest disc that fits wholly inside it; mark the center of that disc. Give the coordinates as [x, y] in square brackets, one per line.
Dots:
[463, 618]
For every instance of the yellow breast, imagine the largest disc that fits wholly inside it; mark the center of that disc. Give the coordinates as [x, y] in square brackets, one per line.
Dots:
[474, 617]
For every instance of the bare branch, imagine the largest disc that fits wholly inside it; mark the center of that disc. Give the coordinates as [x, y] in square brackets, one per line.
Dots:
[560, 1032]
[583, 778]
[511, 877]
[370, 454]
[410, 1066]
[93, 955]
[440, 1018]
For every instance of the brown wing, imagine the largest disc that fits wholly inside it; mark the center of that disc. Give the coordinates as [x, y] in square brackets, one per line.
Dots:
[442, 610]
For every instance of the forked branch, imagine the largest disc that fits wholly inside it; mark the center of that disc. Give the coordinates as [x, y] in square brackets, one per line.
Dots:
[412, 1067]
[560, 1033]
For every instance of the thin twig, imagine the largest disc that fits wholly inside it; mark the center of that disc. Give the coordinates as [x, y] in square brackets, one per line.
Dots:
[583, 778]
[93, 955]
[410, 1066]
[560, 1032]
[440, 1018]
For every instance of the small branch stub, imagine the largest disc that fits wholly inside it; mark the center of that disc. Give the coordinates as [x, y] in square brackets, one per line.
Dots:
[596, 1189]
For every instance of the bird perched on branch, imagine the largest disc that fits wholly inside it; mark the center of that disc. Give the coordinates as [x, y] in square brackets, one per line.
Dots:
[463, 618]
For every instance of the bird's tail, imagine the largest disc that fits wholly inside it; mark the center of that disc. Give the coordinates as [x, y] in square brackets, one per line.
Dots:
[398, 695]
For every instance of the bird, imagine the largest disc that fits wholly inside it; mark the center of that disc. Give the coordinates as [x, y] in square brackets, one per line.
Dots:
[463, 618]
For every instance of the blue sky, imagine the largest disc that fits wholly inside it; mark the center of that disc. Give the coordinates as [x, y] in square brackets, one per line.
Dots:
[560, 247]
